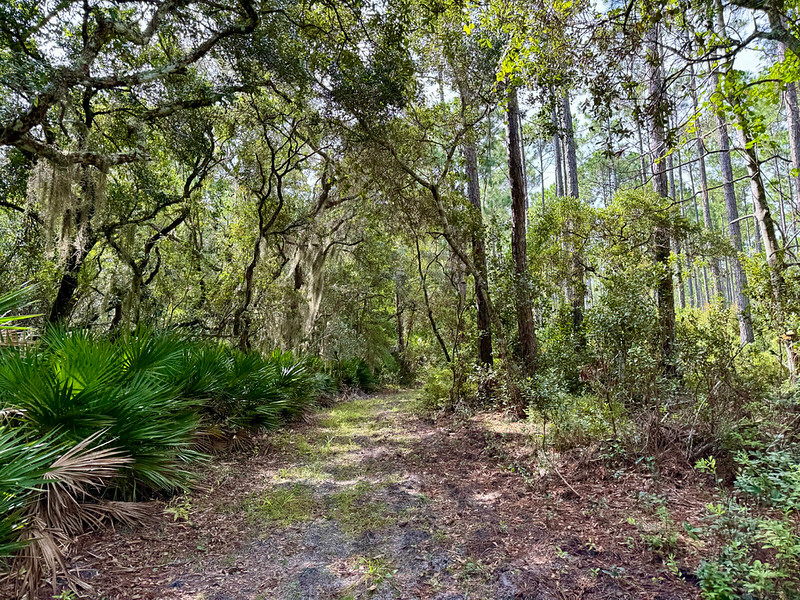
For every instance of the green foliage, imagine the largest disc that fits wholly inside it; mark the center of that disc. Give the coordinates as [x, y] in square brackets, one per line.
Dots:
[78, 385]
[284, 505]
[245, 390]
[123, 417]
[760, 556]
[356, 510]
[773, 477]
[23, 466]
[725, 381]
[581, 420]
[354, 373]
[11, 302]
[437, 383]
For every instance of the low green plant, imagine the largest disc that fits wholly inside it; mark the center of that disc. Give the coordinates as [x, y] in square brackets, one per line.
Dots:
[284, 505]
[437, 384]
[354, 373]
[662, 536]
[772, 477]
[760, 551]
[356, 510]
[376, 570]
[85, 416]
[79, 385]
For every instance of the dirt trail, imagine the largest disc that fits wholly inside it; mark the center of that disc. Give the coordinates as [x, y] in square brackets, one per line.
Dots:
[371, 501]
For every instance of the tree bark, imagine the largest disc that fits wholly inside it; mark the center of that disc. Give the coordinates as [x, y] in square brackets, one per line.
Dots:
[571, 155]
[557, 150]
[401, 333]
[577, 279]
[483, 316]
[700, 147]
[525, 323]
[479, 255]
[762, 212]
[423, 278]
[676, 241]
[732, 212]
[790, 100]
[657, 115]
[65, 297]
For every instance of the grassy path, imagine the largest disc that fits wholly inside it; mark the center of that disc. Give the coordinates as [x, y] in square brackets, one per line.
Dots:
[371, 501]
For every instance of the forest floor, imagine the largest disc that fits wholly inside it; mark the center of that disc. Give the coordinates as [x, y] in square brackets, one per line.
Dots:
[369, 499]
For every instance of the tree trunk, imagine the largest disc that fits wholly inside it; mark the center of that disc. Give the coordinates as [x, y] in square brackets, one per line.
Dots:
[483, 316]
[676, 241]
[401, 333]
[701, 163]
[65, 297]
[479, 256]
[732, 211]
[423, 279]
[577, 280]
[571, 155]
[762, 212]
[790, 99]
[665, 293]
[525, 323]
[557, 151]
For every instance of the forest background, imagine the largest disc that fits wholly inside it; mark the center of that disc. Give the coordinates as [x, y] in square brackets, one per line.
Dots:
[582, 213]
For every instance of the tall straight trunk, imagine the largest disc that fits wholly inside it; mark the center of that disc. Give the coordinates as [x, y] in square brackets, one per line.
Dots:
[782, 204]
[570, 151]
[577, 276]
[756, 225]
[665, 293]
[483, 316]
[540, 147]
[676, 241]
[525, 323]
[642, 157]
[700, 147]
[681, 190]
[790, 100]
[734, 229]
[524, 156]
[761, 208]
[479, 255]
[763, 215]
[701, 300]
[791, 221]
[557, 150]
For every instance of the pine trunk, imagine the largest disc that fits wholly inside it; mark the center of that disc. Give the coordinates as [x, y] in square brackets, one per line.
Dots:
[665, 293]
[525, 323]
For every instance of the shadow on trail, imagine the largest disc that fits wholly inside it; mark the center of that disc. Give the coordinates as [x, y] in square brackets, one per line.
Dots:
[371, 501]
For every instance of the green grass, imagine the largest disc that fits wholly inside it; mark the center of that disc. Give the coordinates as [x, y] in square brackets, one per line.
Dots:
[355, 510]
[351, 417]
[376, 570]
[283, 505]
[311, 472]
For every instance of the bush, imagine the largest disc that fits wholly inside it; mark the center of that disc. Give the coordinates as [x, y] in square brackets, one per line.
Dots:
[45, 498]
[245, 390]
[438, 382]
[353, 373]
[80, 385]
[85, 419]
[760, 556]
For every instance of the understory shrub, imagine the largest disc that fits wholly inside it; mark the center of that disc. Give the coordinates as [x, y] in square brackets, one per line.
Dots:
[89, 423]
[758, 531]
[353, 373]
